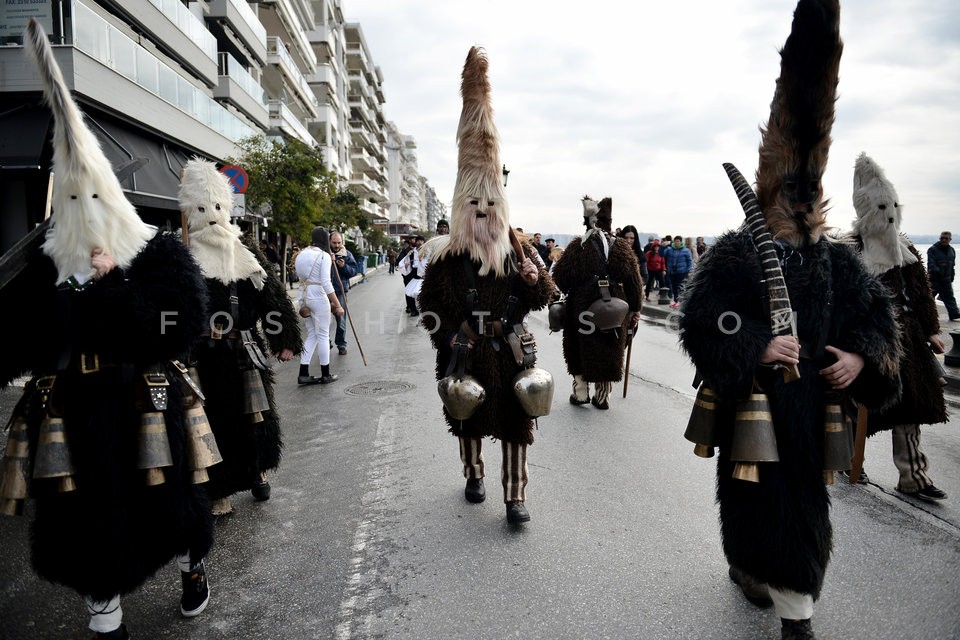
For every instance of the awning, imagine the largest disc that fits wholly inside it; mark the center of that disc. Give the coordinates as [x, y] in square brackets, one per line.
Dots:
[148, 167]
[23, 133]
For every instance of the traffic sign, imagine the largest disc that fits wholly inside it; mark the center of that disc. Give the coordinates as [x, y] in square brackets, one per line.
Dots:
[237, 177]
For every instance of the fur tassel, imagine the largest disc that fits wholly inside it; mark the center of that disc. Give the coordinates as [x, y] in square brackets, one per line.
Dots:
[796, 139]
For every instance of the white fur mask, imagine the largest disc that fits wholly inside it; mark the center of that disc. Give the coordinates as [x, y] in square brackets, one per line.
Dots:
[879, 214]
[206, 200]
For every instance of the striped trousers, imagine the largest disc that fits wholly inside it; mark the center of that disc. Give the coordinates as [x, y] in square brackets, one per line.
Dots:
[513, 470]
[909, 459]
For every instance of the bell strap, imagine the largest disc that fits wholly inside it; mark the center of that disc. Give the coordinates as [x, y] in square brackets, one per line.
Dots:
[458, 359]
[256, 356]
[523, 345]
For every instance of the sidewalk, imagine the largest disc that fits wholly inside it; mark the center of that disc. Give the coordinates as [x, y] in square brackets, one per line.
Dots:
[949, 331]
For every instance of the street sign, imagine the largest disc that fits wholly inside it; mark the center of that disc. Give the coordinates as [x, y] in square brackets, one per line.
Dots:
[237, 177]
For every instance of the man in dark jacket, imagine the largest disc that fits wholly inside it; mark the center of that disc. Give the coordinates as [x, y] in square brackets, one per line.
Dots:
[941, 261]
[344, 267]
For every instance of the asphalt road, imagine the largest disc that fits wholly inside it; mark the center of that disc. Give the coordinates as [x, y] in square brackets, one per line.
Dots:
[367, 534]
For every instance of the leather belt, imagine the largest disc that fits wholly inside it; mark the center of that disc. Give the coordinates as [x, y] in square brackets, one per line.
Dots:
[233, 334]
[484, 329]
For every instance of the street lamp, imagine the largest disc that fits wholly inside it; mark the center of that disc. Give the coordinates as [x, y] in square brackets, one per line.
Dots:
[506, 173]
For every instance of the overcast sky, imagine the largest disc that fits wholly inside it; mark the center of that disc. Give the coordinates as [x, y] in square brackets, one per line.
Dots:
[643, 101]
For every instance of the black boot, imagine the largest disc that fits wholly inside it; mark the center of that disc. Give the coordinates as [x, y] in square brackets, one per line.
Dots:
[305, 377]
[516, 512]
[796, 630]
[325, 376]
[260, 489]
[474, 491]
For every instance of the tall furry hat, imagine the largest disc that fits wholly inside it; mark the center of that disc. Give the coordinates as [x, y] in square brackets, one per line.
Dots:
[796, 139]
[90, 210]
[480, 216]
[879, 214]
[206, 200]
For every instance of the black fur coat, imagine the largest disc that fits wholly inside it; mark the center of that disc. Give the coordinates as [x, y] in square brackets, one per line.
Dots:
[778, 529]
[922, 401]
[113, 532]
[596, 355]
[444, 294]
[247, 448]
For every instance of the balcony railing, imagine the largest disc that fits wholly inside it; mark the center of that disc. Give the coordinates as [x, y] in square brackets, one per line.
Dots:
[105, 43]
[230, 66]
[277, 54]
[189, 24]
[282, 118]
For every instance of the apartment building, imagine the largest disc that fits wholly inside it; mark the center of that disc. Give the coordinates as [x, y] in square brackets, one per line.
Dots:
[162, 80]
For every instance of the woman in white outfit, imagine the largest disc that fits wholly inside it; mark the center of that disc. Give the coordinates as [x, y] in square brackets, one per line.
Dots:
[316, 292]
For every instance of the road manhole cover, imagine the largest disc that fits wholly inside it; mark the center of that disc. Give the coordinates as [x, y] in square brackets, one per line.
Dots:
[379, 388]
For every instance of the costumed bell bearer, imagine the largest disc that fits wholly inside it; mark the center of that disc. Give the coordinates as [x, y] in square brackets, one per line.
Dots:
[476, 290]
[888, 254]
[596, 267]
[104, 313]
[245, 294]
[775, 525]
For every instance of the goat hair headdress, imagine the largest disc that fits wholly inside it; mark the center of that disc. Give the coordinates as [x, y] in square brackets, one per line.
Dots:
[796, 139]
[90, 209]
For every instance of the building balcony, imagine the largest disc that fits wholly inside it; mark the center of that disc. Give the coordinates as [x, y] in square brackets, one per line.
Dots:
[298, 19]
[242, 90]
[363, 161]
[241, 19]
[280, 58]
[184, 35]
[283, 120]
[360, 135]
[325, 75]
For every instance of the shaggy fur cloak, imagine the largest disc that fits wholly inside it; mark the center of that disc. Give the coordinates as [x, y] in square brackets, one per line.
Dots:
[247, 448]
[778, 530]
[113, 532]
[444, 294]
[922, 400]
[596, 355]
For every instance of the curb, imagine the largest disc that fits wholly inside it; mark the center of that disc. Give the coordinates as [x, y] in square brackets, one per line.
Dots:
[662, 314]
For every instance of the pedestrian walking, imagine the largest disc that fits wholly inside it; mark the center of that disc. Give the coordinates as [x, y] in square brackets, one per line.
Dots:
[601, 280]
[941, 267]
[889, 255]
[475, 294]
[344, 267]
[114, 307]
[774, 516]
[319, 299]
[245, 294]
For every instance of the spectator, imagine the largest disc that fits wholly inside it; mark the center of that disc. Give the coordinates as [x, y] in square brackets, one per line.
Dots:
[689, 244]
[656, 267]
[701, 246]
[679, 264]
[941, 262]
[630, 234]
[343, 268]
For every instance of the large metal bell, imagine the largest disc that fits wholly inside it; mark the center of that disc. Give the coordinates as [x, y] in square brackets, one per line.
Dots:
[701, 428]
[555, 315]
[754, 439]
[837, 443]
[534, 389]
[15, 469]
[153, 447]
[461, 396]
[254, 395]
[53, 454]
[201, 443]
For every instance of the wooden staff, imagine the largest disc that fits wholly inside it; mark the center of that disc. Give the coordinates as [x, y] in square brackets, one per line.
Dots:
[859, 445]
[346, 310]
[626, 366]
